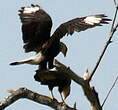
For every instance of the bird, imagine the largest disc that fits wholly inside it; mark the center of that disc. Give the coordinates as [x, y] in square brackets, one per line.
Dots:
[34, 60]
[53, 79]
[37, 37]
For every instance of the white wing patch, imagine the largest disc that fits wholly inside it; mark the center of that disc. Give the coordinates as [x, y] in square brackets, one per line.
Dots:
[92, 20]
[31, 9]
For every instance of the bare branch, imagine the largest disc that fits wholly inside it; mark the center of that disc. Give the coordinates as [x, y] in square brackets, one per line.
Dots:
[113, 30]
[116, 10]
[89, 91]
[110, 91]
[41, 99]
[115, 2]
[67, 70]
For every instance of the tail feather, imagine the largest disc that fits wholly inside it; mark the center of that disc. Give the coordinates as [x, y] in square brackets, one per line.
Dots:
[66, 92]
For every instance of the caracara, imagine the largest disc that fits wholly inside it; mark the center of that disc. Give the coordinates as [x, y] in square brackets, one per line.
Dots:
[53, 79]
[36, 28]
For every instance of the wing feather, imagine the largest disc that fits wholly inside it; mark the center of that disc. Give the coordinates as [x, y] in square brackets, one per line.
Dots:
[77, 24]
[80, 24]
[36, 27]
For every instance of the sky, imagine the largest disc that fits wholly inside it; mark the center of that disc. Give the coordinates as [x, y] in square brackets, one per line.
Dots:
[84, 50]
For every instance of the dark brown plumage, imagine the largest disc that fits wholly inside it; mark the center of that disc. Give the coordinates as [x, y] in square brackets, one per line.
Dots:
[36, 27]
[54, 79]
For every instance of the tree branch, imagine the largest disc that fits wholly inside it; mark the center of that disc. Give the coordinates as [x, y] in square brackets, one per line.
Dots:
[41, 99]
[110, 91]
[113, 30]
[89, 91]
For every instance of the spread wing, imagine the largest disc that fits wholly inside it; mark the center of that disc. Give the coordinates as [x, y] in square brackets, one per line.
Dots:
[36, 27]
[77, 24]
[80, 24]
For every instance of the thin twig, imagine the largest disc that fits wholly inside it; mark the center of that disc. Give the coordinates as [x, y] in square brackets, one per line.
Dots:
[89, 91]
[110, 91]
[115, 2]
[114, 16]
[113, 29]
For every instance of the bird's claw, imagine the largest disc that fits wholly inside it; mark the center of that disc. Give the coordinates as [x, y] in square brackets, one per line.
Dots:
[52, 98]
[63, 103]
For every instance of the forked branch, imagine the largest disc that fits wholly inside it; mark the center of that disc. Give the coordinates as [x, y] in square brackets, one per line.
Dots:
[113, 30]
[28, 94]
[89, 91]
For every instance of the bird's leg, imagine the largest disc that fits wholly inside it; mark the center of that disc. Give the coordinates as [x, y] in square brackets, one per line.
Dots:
[52, 95]
[50, 64]
[51, 90]
[63, 102]
[43, 65]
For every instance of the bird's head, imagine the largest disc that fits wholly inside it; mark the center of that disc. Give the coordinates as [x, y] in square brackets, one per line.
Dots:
[63, 48]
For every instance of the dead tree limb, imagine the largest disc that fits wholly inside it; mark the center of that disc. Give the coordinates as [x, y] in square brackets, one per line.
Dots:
[89, 91]
[28, 94]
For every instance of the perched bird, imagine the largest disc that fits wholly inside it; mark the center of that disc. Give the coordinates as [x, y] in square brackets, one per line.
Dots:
[55, 79]
[36, 28]
[40, 58]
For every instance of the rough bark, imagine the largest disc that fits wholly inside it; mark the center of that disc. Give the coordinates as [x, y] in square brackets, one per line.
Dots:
[90, 92]
[28, 94]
